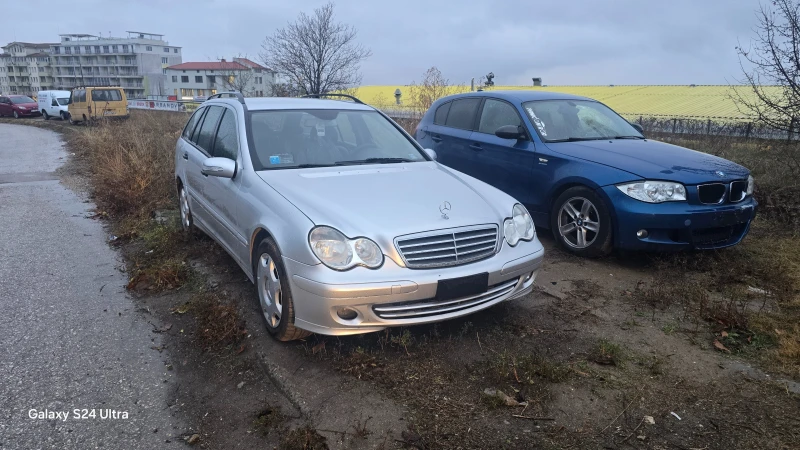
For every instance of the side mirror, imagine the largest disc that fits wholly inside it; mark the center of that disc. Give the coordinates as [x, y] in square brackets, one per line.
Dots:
[431, 153]
[510, 132]
[638, 127]
[219, 167]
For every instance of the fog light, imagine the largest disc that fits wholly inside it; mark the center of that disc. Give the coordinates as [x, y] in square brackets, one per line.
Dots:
[641, 234]
[528, 277]
[346, 313]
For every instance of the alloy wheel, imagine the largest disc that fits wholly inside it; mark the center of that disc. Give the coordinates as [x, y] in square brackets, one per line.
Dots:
[186, 214]
[578, 222]
[269, 290]
[16, 116]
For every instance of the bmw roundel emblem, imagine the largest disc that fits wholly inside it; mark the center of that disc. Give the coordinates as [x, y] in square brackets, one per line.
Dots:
[720, 174]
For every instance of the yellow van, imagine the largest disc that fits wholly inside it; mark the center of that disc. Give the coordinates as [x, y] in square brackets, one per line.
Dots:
[91, 103]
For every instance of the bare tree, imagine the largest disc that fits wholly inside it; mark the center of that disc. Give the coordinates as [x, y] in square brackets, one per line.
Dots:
[432, 87]
[235, 76]
[316, 53]
[773, 59]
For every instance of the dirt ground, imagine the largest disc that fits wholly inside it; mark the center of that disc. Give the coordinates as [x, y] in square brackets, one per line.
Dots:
[592, 359]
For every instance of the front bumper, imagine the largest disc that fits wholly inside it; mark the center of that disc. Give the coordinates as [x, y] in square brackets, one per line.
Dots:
[393, 295]
[29, 113]
[679, 225]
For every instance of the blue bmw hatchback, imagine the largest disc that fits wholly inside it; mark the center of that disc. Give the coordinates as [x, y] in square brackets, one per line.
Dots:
[588, 174]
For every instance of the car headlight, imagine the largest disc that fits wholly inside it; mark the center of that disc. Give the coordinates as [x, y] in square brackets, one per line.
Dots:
[23, 107]
[751, 185]
[654, 191]
[519, 227]
[338, 252]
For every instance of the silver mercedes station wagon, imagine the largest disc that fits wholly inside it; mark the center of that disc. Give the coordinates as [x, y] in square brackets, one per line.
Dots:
[342, 221]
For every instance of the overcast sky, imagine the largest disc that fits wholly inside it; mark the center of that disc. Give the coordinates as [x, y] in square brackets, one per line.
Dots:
[562, 41]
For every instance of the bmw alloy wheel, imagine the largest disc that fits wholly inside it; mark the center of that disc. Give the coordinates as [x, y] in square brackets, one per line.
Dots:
[578, 222]
[269, 290]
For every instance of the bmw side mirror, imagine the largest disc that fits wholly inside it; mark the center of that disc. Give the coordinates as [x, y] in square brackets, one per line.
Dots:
[219, 167]
[510, 132]
[431, 153]
[638, 127]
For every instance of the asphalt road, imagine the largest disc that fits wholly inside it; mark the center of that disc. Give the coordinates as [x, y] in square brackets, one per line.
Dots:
[70, 337]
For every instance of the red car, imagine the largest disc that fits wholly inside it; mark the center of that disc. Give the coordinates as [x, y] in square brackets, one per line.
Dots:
[18, 106]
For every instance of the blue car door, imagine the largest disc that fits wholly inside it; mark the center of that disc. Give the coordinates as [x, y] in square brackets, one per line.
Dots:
[506, 164]
[453, 149]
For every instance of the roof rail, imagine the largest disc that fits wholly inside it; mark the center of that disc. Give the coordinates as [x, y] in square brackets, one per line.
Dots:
[334, 95]
[232, 94]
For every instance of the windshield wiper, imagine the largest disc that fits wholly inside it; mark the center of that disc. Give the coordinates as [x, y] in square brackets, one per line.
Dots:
[373, 161]
[576, 139]
[628, 137]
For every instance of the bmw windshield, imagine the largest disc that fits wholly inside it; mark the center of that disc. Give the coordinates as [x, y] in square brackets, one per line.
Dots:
[577, 120]
[292, 139]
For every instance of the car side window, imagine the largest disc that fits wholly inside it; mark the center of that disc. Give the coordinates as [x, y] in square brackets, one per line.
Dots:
[206, 136]
[227, 142]
[189, 128]
[496, 114]
[54, 102]
[462, 113]
[440, 116]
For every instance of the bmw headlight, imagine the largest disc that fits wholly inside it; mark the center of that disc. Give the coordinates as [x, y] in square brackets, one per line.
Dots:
[519, 227]
[751, 185]
[654, 191]
[338, 252]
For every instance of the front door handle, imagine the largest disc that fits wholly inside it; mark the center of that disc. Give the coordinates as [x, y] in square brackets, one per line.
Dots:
[476, 147]
[436, 138]
[186, 155]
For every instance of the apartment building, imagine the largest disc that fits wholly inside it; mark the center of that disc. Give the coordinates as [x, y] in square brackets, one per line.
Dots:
[25, 68]
[198, 80]
[137, 62]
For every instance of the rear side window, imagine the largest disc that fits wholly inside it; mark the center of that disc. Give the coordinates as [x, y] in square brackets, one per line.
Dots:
[227, 144]
[187, 131]
[462, 113]
[106, 95]
[441, 114]
[206, 135]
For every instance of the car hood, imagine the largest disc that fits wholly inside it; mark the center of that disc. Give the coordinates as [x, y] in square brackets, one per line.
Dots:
[654, 160]
[27, 105]
[389, 200]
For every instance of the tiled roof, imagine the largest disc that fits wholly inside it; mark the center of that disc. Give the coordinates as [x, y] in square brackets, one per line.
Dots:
[680, 101]
[249, 63]
[209, 65]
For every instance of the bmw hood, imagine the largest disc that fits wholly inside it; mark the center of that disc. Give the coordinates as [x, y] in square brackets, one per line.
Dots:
[654, 160]
[389, 200]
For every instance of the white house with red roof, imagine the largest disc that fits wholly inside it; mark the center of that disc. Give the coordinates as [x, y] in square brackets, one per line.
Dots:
[198, 80]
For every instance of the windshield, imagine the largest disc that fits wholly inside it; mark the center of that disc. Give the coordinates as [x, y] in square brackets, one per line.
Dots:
[20, 100]
[565, 120]
[318, 138]
[63, 101]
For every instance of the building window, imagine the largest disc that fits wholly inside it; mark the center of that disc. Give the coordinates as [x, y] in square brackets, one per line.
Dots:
[77, 50]
[175, 50]
[88, 49]
[198, 79]
[201, 93]
[68, 50]
[212, 79]
[105, 49]
[164, 60]
[186, 92]
[164, 71]
[184, 79]
[166, 49]
[114, 48]
[258, 70]
[125, 48]
[149, 48]
[174, 78]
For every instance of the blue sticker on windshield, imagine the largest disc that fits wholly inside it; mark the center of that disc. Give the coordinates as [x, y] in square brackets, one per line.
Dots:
[275, 159]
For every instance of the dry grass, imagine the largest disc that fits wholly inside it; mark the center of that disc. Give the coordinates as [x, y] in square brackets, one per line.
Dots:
[219, 323]
[132, 162]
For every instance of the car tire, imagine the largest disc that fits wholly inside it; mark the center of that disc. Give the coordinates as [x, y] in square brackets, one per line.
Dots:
[16, 115]
[187, 221]
[274, 293]
[45, 115]
[581, 222]
[63, 116]
[71, 120]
